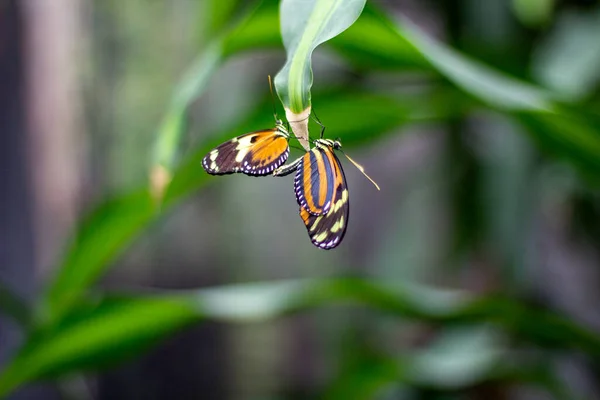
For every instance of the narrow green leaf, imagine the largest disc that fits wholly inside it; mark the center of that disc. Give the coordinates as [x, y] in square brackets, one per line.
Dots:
[92, 336]
[304, 25]
[486, 84]
[173, 125]
[565, 131]
[107, 333]
[101, 238]
[567, 59]
[189, 89]
[459, 357]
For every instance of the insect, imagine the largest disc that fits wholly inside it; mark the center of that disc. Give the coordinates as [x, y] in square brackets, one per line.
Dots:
[256, 154]
[322, 192]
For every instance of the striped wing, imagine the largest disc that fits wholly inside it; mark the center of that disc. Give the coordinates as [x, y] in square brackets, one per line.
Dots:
[257, 154]
[327, 231]
[317, 178]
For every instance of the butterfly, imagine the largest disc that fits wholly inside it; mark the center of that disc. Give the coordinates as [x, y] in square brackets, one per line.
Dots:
[256, 153]
[322, 192]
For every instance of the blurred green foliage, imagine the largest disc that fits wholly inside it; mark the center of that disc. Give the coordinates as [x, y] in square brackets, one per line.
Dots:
[76, 327]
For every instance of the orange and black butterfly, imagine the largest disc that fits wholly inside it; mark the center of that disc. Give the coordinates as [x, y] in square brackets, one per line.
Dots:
[322, 192]
[256, 154]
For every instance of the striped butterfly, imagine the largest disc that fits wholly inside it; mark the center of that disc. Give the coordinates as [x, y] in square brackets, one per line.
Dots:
[256, 153]
[322, 192]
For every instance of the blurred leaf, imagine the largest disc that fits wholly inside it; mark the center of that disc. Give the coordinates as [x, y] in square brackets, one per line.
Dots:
[572, 134]
[93, 335]
[364, 374]
[105, 334]
[190, 87]
[360, 117]
[486, 84]
[373, 43]
[533, 13]
[567, 59]
[259, 30]
[218, 13]
[13, 306]
[566, 132]
[568, 135]
[257, 302]
[305, 24]
[101, 238]
[173, 125]
[459, 357]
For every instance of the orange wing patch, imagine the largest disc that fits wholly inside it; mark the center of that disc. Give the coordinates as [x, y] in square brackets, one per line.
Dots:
[314, 182]
[267, 152]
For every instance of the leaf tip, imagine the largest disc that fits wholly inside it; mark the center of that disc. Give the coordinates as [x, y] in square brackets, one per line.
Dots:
[160, 178]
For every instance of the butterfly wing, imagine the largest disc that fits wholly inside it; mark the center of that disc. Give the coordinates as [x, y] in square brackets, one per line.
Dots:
[315, 180]
[326, 231]
[256, 153]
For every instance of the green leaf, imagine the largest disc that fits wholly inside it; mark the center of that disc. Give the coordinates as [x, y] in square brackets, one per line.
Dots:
[568, 132]
[94, 335]
[192, 85]
[567, 59]
[173, 124]
[304, 25]
[364, 373]
[533, 13]
[259, 30]
[101, 238]
[113, 330]
[218, 13]
[372, 43]
[459, 357]
[570, 136]
[486, 84]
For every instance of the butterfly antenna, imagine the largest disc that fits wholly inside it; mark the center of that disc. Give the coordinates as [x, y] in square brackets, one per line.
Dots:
[318, 121]
[272, 98]
[361, 169]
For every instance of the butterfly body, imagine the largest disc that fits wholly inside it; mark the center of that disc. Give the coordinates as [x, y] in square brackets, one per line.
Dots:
[256, 153]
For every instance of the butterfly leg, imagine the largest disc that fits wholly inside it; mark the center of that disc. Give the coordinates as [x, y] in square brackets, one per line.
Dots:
[285, 170]
[318, 121]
